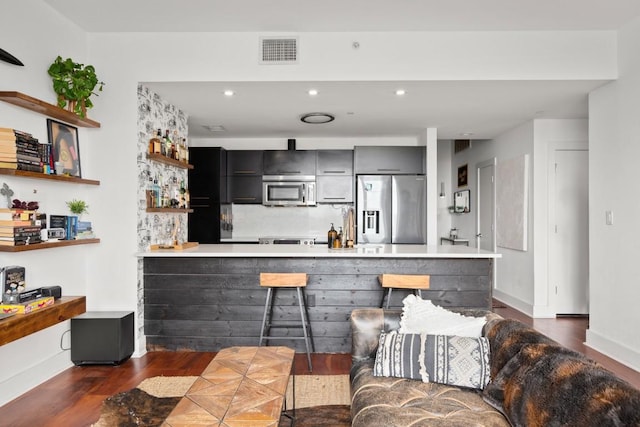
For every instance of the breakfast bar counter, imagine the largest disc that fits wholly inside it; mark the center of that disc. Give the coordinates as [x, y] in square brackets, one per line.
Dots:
[208, 297]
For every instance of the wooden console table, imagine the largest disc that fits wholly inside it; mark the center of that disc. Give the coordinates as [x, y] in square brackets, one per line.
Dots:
[21, 325]
[242, 386]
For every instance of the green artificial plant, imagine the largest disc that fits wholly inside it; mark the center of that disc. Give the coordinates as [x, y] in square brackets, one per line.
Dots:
[74, 83]
[78, 207]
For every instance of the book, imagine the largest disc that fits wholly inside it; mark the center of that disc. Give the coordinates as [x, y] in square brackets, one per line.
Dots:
[15, 222]
[12, 278]
[8, 165]
[27, 307]
[17, 214]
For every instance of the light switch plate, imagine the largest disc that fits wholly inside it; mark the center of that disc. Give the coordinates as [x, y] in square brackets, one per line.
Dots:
[609, 217]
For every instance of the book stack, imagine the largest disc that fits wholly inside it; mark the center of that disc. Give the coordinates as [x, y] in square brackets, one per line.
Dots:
[69, 223]
[20, 150]
[8, 158]
[84, 230]
[19, 227]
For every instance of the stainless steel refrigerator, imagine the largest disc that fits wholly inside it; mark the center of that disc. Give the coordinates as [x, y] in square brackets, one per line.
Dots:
[391, 209]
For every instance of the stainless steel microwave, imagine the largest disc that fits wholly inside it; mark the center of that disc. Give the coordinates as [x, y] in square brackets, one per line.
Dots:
[284, 190]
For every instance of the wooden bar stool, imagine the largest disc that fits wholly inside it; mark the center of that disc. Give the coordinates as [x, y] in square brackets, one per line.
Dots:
[274, 282]
[415, 282]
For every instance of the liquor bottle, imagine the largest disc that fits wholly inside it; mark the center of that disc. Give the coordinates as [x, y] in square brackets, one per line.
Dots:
[175, 144]
[332, 235]
[186, 150]
[167, 144]
[157, 143]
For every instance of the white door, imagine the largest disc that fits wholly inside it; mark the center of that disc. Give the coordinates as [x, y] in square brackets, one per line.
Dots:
[569, 255]
[485, 234]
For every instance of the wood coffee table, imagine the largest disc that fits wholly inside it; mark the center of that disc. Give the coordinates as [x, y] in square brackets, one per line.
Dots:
[241, 387]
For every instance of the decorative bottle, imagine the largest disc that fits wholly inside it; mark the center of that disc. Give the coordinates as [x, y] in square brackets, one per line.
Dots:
[332, 236]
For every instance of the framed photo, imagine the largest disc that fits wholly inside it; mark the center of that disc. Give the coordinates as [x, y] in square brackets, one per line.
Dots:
[462, 176]
[65, 148]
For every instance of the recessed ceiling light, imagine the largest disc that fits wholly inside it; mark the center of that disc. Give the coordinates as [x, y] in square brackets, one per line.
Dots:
[400, 92]
[313, 92]
[317, 118]
[229, 92]
[466, 134]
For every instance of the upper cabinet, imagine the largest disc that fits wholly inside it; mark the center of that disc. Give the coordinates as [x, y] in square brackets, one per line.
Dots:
[335, 162]
[388, 160]
[290, 162]
[244, 162]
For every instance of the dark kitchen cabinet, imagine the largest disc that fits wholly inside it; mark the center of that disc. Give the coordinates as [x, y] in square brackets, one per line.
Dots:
[334, 162]
[381, 160]
[289, 162]
[245, 189]
[244, 162]
[209, 174]
[208, 190]
[334, 189]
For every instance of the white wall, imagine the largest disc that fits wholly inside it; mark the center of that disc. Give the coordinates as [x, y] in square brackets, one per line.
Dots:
[107, 272]
[514, 281]
[614, 127]
[27, 362]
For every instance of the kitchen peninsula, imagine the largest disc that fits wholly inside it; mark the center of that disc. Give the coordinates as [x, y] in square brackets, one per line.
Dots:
[208, 297]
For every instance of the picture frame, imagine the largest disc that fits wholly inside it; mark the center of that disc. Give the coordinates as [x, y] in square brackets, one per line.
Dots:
[65, 148]
[463, 176]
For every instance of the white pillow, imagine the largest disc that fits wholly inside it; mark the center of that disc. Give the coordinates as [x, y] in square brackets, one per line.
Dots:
[423, 317]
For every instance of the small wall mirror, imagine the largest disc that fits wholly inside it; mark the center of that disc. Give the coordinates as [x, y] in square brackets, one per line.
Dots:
[461, 201]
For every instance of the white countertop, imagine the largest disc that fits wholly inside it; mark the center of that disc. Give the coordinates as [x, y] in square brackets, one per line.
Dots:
[321, 251]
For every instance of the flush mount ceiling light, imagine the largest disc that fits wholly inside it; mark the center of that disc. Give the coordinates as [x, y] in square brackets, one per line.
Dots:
[317, 118]
[214, 128]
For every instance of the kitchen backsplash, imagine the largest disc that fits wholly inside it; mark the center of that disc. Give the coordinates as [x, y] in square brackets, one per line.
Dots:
[253, 221]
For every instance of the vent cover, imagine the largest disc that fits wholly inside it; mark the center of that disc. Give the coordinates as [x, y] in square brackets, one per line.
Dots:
[278, 50]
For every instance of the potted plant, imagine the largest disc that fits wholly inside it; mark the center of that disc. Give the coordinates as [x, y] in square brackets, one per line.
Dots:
[74, 83]
[78, 207]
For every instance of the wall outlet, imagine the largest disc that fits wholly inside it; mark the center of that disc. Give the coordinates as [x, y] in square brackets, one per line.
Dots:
[311, 300]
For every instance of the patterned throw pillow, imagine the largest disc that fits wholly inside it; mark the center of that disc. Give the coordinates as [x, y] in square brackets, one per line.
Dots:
[445, 359]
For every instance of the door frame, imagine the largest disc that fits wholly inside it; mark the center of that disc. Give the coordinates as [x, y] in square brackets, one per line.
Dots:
[551, 207]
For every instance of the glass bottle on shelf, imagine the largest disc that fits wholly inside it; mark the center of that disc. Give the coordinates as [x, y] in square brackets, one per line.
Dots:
[155, 143]
[167, 144]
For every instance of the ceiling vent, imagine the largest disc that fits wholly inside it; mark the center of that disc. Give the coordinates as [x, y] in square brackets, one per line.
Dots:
[278, 50]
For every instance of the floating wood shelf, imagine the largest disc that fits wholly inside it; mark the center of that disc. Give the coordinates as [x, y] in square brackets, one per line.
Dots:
[170, 210]
[39, 175]
[34, 104]
[48, 245]
[21, 325]
[168, 161]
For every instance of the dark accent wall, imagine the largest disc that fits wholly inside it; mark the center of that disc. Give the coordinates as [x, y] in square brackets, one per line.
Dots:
[206, 304]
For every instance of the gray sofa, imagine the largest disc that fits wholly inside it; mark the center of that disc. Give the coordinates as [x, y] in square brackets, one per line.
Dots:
[534, 382]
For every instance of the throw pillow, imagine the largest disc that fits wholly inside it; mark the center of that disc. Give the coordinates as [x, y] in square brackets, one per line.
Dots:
[452, 360]
[422, 316]
[546, 384]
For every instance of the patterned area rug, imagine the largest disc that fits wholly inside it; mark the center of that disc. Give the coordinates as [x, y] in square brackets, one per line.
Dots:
[321, 401]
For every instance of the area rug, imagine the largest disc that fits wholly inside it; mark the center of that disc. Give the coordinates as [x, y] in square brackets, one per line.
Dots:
[321, 401]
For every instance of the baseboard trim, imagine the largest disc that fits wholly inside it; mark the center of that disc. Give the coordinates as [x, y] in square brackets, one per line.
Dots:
[33, 376]
[618, 352]
[513, 302]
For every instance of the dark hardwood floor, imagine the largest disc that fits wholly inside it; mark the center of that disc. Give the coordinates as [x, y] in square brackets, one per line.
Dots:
[73, 398]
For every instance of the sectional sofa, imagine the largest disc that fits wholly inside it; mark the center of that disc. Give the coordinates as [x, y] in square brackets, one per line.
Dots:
[532, 381]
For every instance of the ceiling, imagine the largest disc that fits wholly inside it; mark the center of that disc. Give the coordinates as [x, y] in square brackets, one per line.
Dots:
[272, 109]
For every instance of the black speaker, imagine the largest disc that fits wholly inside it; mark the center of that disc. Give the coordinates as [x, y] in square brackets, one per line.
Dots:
[102, 337]
[52, 291]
